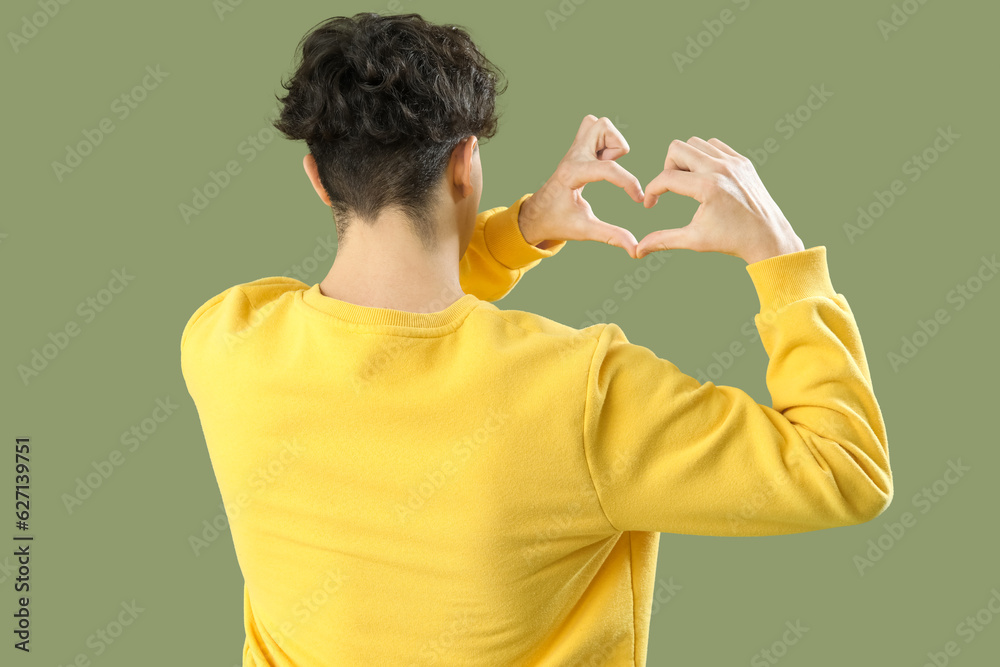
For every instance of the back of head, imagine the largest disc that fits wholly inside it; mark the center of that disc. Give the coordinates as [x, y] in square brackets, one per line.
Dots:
[381, 101]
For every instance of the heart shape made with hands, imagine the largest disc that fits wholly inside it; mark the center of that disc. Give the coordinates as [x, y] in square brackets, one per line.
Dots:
[558, 211]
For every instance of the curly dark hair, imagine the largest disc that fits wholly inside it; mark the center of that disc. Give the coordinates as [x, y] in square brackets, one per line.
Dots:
[382, 101]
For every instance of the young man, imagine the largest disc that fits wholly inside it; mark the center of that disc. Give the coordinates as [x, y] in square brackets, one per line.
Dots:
[415, 476]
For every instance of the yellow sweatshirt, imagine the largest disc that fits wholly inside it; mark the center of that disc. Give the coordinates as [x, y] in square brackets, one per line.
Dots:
[477, 486]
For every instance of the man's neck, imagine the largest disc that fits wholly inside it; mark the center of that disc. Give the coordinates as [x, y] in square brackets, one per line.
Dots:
[400, 278]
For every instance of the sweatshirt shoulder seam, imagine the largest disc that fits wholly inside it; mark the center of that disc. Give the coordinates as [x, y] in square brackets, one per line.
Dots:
[502, 314]
[586, 403]
[583, 435]
[199, 314]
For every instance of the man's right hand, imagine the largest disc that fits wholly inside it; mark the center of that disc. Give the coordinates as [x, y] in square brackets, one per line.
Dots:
[558, 211]
[737, 216]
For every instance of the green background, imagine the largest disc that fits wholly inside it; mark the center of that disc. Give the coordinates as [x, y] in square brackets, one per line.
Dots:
[61, 240]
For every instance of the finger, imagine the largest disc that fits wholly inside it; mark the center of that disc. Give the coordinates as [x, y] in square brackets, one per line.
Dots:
[664, 239]
[585, 125]
[651, 198]
[706, 147]
[674, 180]
[680, 157]
[725, 147]
[606, 141]
[606, 170]
[611, 153]
[598, 230]
[687, 157]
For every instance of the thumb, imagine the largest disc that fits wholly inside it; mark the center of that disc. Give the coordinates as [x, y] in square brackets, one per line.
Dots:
[613, 235]
[664, 239]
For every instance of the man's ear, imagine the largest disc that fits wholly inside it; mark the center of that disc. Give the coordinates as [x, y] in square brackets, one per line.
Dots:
[463, 168]
[309, 162]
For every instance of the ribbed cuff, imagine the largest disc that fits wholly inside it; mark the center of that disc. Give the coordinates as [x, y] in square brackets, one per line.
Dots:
[505, 241]
[782, 279]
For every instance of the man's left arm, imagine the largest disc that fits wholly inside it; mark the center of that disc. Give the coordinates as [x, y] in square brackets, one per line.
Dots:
[498, 253]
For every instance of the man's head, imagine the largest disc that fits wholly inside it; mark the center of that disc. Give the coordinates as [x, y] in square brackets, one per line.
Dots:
[392, 108]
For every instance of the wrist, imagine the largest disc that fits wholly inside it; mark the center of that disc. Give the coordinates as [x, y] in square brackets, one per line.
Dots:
[526, 222]
[782, 246]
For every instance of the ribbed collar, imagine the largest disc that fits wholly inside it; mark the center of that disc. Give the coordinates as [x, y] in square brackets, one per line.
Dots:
[391, 320]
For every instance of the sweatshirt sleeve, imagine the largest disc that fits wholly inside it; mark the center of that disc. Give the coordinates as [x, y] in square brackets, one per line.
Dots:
[498, 255]
[669, 454]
